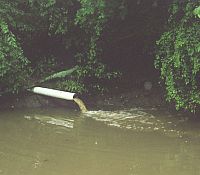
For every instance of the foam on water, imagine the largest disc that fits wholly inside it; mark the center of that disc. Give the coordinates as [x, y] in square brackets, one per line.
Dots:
[68, 123]
[136, 119]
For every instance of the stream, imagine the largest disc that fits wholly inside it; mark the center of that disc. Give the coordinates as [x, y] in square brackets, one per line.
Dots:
[136, 141]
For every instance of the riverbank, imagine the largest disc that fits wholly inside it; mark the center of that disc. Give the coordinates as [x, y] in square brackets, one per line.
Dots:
[116, 99]
[128, 99]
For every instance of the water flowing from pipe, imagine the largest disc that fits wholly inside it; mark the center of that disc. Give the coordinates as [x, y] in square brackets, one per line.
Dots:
[81, 104]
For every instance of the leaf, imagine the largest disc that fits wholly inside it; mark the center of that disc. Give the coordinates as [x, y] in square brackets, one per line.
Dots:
[61, 74]
[198, 48]
[197, 11]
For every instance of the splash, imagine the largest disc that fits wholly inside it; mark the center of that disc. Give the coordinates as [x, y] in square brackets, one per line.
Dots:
[81, 105]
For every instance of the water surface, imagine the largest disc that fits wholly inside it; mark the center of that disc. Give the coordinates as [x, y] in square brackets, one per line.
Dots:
[125, 142]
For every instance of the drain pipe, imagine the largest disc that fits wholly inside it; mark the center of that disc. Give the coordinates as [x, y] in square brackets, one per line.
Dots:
[60, 94]
[54, 93]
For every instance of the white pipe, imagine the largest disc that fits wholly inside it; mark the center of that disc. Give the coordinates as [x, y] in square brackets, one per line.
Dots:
[54, 93]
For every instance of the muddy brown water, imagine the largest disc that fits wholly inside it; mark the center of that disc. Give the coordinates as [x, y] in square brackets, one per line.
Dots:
[126, 142]
[80, 104]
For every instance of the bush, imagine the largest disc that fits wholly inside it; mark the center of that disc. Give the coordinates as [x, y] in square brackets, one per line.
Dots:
[178, 56]
[13, 64]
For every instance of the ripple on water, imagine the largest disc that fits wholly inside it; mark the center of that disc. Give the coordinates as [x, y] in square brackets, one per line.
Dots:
[137, 120]
[68, 123]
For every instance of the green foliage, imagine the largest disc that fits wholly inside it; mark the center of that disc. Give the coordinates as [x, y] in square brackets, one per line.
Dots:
[92, 17]
[43, 67]
[13, 71]
[61, 74]
[77, 24]
[178, 56]
[197, 11]
[71, 86]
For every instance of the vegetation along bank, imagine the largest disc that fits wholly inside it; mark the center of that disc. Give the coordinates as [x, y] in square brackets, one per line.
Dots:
[94, 47]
